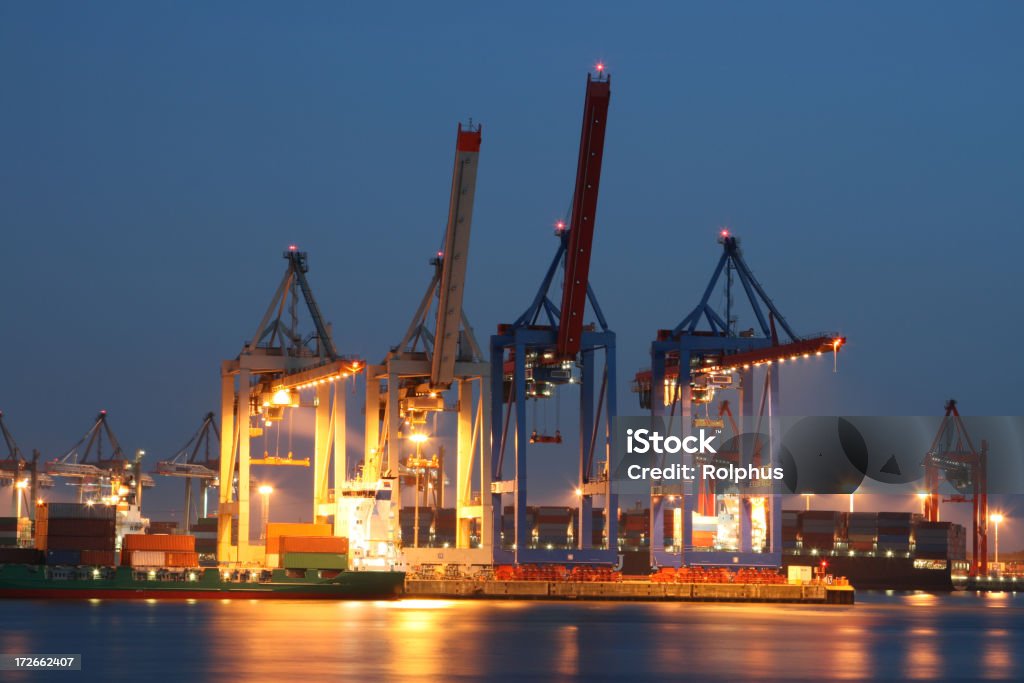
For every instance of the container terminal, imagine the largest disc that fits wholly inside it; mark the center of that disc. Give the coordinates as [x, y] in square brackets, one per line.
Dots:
[382, 525]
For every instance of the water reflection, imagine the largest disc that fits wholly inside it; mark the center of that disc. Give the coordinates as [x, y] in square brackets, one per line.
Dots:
[917, 636]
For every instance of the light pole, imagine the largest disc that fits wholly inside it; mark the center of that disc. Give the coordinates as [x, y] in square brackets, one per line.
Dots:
[19, 491]
[265, 491]
[418, 438]
[807, 498]
[997, 518]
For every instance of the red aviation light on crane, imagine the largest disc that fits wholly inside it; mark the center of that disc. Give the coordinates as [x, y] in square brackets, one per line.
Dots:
[724, 232]
[559, 227]
[292, 247]
[600, 67]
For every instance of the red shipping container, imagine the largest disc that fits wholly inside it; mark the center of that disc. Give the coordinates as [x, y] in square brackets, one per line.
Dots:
[99, 558]
[313, 544]
[77, 543]
[180, 559]
[80, 527]
[171, 542]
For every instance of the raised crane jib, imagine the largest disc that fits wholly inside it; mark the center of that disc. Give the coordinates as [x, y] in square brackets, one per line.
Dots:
[584, 211]
[454, 258]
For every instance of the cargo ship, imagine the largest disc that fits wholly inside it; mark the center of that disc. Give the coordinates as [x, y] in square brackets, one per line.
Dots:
[82, 551]
[25, 581]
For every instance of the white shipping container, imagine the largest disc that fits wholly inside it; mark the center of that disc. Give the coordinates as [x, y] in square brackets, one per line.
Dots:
[148, 558]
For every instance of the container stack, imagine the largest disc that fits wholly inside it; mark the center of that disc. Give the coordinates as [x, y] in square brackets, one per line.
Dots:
[894, 532]
[552, 526]
[314, 552]
[862, 531]
[634, 528]
[508, 524]
[8, 532]
[444, 527]
[76, 533]
[172, 551]
[205, 531]
[819, 529]
[596, 527]
[162, 528]
[278, 530]
[790, 529]
[407, 520]
[940, 541]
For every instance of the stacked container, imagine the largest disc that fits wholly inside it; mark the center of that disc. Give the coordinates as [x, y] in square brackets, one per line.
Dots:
[162, 528]
[205, 531]
[940, 541]
[278, 530]
[862, 531]
[313, 552]
[508, 524]
[596, 527]
[894, 532]
[76, 533]
[552, 527]
[444, 526]
[819, 529]
[8, 531]
[407, 520]
[634, 528]
[790, 529]
[159, 550]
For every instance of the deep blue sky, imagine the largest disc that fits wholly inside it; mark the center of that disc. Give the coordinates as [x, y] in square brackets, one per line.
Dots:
[158, 157]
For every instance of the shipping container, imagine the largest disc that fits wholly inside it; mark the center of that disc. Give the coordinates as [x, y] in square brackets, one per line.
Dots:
[182, 559]
[21, 556]
[68, 557]
[98, 558]
[144, 558]
[75, 543]
[164, 542]
[314, 544]
[275, 530]
[74, 511]
[314, 561]
[79, 527]
[8, 524]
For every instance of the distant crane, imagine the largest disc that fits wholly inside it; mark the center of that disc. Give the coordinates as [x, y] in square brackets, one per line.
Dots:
[953, 458]
[93, 468]
[198, 459]
[14, 468]
[550, 346]
[437, 352]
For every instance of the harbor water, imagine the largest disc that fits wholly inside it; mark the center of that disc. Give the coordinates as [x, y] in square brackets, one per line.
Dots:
[922, 636]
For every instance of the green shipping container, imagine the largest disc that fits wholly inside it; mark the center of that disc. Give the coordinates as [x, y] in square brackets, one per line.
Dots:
[315, 561]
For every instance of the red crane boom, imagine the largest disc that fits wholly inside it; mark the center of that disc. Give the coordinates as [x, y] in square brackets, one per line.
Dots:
[584, 210]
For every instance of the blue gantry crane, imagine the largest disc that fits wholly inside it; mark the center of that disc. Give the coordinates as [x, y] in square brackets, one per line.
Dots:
[548, 347]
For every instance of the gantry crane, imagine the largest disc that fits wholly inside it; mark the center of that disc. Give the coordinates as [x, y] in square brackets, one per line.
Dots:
[689, 363]
[94, 469]
[411, 385]
[550, 346]
[263, 382]
[22, 475]
[952, 457]
[198, 459]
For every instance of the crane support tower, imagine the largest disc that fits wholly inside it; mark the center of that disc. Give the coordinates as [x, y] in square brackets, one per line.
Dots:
[548, 347]
[264, 381]
[700, 356]
[409, 389]
[954, 459]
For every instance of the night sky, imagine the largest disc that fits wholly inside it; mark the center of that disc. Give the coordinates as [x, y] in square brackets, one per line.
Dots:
[158, 158]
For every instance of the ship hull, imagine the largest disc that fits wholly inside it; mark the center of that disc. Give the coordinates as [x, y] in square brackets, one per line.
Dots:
[26, 582]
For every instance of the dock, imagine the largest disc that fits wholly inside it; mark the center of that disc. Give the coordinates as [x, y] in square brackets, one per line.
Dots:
[812, 594]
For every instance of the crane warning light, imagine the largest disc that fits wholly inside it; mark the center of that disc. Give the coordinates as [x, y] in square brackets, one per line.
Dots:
[599, 66]
[559, 225]
[292, 247]
[724, 232]
[440, 254]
